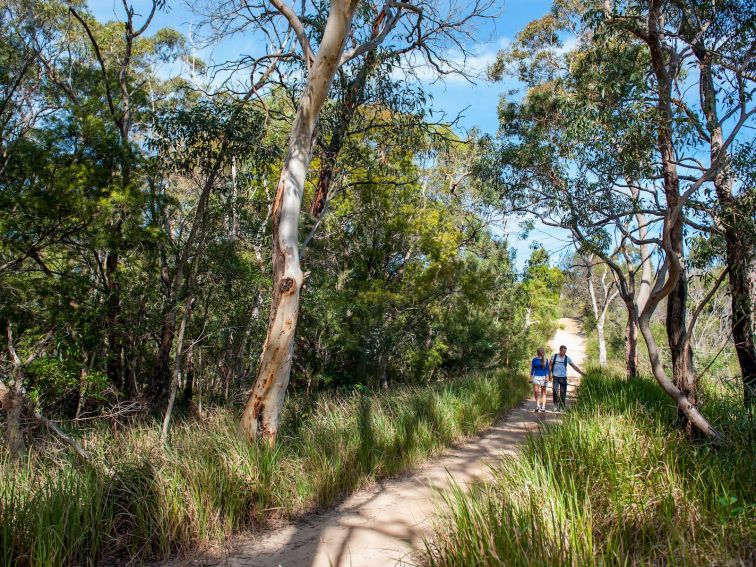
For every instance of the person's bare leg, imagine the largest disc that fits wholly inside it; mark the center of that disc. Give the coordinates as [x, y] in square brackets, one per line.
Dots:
[543, 397]
[535, 395]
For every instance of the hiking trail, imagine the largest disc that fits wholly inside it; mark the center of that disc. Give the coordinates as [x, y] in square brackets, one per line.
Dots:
[385, 524]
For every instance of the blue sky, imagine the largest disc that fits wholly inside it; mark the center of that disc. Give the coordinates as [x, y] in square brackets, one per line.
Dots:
[476, 101]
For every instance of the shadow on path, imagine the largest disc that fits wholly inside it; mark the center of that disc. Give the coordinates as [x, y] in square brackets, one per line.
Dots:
[386, 524]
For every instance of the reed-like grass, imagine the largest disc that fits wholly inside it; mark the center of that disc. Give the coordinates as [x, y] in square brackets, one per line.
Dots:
[155, 502]
[616, 483]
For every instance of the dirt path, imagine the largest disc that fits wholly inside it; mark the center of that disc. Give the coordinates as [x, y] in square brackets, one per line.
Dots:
[384, 526]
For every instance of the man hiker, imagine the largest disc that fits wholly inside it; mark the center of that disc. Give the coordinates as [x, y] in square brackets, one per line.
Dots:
[558, 373]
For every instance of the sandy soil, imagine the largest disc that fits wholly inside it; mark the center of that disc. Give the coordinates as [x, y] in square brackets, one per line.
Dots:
[385, 526]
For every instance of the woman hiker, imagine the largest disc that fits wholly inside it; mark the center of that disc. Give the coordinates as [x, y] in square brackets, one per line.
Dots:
[539, 375]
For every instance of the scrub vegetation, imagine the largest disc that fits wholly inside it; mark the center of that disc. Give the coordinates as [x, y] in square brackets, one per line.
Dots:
[616, 483]
[235, 291]
[143, 501]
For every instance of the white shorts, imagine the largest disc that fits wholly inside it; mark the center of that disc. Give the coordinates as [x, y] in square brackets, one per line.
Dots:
[540, 381]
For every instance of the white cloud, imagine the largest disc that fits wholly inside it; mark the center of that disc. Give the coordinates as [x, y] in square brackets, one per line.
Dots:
[569, 44]
[461, 67]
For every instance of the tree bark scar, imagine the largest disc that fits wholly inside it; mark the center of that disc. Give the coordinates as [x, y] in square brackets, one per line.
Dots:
[287, 286]
[258, 408]
[278, 199]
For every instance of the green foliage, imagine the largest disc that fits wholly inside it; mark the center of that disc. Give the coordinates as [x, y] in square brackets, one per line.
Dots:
[209, 484]
[615, 483]
[55, 385]
[406, 282]
[542, 286]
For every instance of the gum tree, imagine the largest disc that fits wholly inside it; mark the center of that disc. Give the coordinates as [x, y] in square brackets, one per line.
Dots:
[600, 147]
[320, 48]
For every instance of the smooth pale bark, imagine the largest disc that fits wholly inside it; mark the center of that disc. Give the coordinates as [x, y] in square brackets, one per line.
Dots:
[636, 307]
[684, 404]
[601, 339]
[263, 408]
[647, 269]
[600, 311]
[673, 287]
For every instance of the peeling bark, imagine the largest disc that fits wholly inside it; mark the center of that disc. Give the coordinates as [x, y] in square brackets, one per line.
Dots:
[263, 408]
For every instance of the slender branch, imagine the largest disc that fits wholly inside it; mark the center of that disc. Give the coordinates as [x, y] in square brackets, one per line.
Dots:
[705, 301]
[298, 27]
[100, 60]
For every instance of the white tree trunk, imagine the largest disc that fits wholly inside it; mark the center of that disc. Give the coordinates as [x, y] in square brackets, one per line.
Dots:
[601, 339]
[600, 311]
[263, 408]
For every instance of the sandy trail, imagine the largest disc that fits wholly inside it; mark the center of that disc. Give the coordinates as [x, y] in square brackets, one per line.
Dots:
[385, 526]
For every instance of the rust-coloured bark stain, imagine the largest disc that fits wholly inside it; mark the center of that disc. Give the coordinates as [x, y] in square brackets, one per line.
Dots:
[286, 285]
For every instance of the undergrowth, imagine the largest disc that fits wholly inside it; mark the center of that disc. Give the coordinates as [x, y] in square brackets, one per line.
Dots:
[616, 483]
[146, 502]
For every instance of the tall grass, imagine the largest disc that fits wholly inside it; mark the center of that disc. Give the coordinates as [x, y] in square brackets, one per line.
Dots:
[616, 483]
[209, 483]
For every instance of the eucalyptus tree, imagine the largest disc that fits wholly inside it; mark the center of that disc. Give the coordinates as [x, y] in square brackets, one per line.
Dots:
[321, 37]
[407, 284]
[28, 38]
[117, 68]
[568, 157]
[657, 26]
[200, 141]
[578, 156]
[79, 172]
[717, 35]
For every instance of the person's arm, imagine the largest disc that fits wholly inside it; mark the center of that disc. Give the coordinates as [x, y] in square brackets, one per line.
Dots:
[532, 368]
[576, 368]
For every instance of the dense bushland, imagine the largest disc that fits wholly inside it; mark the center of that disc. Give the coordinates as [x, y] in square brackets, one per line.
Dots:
[133, 203]
[616, 483]
[144, 501]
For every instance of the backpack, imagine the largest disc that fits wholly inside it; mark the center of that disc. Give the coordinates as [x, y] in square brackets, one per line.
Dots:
[554, 361]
